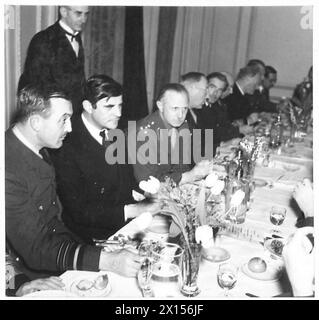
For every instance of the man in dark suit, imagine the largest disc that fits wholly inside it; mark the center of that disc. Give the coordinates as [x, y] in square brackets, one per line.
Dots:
[34, 233]
[55, 55]
[260, 101]
[248, 79]
[96, 195]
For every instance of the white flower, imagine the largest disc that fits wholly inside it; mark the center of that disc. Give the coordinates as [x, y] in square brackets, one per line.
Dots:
[137, 196]
[218, 187]
[211, 179]
[152, 185]
[237, 198]
[203, 235]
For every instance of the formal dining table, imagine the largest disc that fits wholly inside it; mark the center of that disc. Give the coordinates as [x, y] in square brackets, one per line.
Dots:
[287, 166]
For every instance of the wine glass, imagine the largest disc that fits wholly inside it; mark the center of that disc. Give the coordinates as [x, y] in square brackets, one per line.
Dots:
[227, 277]
[277, 216]
[144, 274]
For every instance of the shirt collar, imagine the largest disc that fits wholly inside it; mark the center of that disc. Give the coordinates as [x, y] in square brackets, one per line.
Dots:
[94, 131]
[29, 145]
[240, 89]
[64, 26]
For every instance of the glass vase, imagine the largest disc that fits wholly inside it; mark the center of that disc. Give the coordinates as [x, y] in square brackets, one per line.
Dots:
[190, 267]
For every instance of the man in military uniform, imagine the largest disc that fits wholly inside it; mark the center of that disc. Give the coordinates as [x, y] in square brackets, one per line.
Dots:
[164, 154]
[34, 231]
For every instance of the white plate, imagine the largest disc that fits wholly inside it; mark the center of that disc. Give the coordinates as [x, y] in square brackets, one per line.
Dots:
[272, 273]
[50, 293]
[74, 278]
[260, 182]
[215, 254]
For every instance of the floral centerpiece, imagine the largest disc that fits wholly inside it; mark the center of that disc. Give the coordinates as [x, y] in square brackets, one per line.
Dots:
[187, 205]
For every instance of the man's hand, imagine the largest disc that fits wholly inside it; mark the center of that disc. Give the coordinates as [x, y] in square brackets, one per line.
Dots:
[303, 194]
[252, 118]
[52, 283]
[245, 129]
[298, 255]
[123, 262]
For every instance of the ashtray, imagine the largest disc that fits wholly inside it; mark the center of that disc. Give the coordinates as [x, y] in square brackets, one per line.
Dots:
[215, 254]
[274, 246]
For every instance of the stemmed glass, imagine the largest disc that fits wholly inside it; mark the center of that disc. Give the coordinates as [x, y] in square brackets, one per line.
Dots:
[227, 277]
[277, 216]
[144, 274]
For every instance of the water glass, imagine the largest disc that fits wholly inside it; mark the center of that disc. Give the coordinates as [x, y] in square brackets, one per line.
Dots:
[166, 271]
[227, 277]
[277, 216]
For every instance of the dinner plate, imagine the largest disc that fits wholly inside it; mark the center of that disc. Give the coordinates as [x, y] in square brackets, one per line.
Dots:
[272, 273]
[92, 291]
[260, 182]
[269, 246]
[50, 294]
[215, 254]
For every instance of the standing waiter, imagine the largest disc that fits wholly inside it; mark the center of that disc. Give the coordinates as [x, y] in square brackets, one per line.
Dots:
[56, 56]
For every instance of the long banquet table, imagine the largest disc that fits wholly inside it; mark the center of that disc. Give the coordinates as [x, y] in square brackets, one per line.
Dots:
[248, 242]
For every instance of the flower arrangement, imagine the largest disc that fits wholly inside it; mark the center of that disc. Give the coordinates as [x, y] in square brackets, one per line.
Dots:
[189, 205]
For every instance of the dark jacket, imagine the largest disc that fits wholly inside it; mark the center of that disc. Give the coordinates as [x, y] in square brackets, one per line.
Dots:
[238, 105]
[93, 193]
[51, 60]
[260, 102]
[33, 231]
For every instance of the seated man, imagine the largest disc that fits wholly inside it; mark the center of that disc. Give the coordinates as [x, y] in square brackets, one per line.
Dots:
[35, 235]
[260, 101]
[248, 79]
[215, 114]
[196, 85]
[164, 128]
[303, 94]
[96, 195]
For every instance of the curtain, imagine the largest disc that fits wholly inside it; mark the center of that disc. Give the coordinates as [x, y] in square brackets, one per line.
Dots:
[21, 24]
[134, 82]
[104, 41]
[165, 47]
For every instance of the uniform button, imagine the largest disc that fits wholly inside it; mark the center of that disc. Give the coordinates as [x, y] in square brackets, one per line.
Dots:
[53, 203]
[102, 190]
[53, 230]
[41, 208]
[17, 259]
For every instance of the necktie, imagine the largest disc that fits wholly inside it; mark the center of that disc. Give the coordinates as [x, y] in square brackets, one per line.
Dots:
[174, 137]
[75, 44]
[103, 135]
[45, 155]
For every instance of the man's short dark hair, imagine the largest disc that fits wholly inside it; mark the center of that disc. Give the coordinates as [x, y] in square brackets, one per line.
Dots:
[101, 86]
[248, 72]
[270, 70]
[218, 76]
[35, 99]
[171, 87]
[192, 77]
[254, 62]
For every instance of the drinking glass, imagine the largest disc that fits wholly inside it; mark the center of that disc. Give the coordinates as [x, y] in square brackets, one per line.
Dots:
[277, 216]
[227, 277]
[166, 271]
[144, 274]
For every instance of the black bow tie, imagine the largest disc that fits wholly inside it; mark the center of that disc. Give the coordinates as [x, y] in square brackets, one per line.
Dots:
[73, 36]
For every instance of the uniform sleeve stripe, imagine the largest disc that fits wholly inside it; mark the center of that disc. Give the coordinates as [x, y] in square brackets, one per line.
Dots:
[76, 254]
